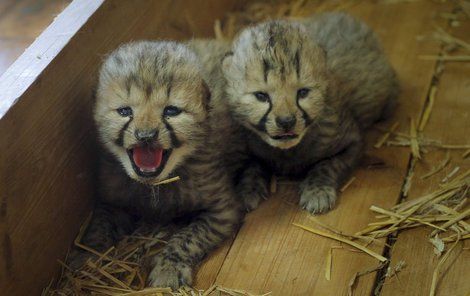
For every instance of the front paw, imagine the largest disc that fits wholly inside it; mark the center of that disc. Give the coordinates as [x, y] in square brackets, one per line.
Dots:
[78, 258]
[169, 274]
[318, 199]
[252, 193]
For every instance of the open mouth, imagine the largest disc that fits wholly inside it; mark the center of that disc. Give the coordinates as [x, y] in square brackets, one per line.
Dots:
[285, 136]
[148, 161]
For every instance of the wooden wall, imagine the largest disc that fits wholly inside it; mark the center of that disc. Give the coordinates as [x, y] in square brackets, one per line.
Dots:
[47, 142]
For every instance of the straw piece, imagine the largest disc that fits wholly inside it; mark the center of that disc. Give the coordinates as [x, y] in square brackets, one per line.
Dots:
[219, 35]
[344, 240]
[454, 220]
[273, 184]
[438, 244]
[170, 180]
[385, 136]
[427, 111]
[107, 275]
[382, 211]
[353, 280]
[448, 38]
[446, 58]
[148, 291]
[466, 154]
[393, 271]
[346, 186]
[409, 176]
[210, 290]
[414, 140]
[438, 168]
[450, 175]
[435, 274]
[329, 259]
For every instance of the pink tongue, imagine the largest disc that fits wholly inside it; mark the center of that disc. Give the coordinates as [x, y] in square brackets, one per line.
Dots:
[147, 158]
[288, 134]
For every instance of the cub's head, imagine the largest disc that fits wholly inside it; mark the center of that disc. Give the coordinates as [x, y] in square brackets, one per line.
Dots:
[151, 107]
[277, 81]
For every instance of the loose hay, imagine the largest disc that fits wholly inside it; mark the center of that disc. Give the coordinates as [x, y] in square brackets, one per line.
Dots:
[344, 240]
[122, 270]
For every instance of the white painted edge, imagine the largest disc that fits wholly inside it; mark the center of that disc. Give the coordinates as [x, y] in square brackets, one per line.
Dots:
[29, 66]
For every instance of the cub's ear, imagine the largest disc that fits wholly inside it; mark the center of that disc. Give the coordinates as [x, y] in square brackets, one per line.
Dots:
[206, 96]
[227, 61]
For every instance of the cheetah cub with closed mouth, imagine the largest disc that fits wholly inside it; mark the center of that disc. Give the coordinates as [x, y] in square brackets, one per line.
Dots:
[302, 93]
[152, 118]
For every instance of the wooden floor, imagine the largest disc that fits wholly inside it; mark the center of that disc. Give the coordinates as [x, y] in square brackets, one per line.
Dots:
[269, 254]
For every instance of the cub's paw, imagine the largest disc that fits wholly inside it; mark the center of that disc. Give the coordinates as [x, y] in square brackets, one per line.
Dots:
[318, 199]
[169, 274]
[252, 193]
[77, 259]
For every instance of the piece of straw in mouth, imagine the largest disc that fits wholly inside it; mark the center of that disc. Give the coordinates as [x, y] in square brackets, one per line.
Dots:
[166, 181]
[438, 168]
[344, 240]
[387, 134]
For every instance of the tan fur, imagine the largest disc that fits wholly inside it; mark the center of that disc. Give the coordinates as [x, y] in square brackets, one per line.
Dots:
[148, 77]
[327, 75]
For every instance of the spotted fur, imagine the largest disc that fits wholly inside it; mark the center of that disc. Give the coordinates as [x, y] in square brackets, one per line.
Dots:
[327, 80]
[149, 76]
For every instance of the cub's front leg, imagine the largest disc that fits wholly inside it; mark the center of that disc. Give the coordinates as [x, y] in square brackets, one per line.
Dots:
[252, 186]
[108, 224]
[173, 266]
[319, 190]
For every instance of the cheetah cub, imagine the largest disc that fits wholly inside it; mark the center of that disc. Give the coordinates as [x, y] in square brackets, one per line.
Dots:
[152, 118]
[302, 93]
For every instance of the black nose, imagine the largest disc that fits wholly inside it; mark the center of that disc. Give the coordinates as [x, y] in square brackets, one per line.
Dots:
[286, 122]
[145, 135]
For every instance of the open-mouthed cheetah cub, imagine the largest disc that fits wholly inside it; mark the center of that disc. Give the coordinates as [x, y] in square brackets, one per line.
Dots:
[302, 93]
[152, 118]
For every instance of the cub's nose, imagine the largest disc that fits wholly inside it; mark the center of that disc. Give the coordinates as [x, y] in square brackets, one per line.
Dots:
[145, 135]
[286, 122]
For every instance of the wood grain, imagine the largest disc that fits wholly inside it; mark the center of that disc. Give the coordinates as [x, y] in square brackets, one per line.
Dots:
[449, 123]
[48, 146]
[21, 21]
[269, 254]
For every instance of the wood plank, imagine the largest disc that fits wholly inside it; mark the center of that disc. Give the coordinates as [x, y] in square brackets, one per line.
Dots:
[21, 22]
[10, 51]
[48, 145]
[28, 18]
[269, 254]
[449, 123]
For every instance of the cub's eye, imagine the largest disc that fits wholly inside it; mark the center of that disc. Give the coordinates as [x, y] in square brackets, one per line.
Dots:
[261, 96]
[171, 111]
[124, 111]
[302, 93]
